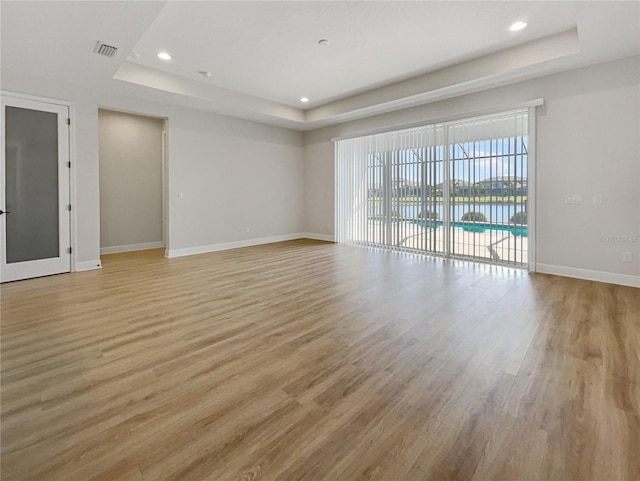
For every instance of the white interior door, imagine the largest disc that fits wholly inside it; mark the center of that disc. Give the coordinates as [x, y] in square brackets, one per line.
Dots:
[34, 189]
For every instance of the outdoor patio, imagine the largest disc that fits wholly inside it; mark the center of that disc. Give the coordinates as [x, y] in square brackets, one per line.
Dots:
[496, 246]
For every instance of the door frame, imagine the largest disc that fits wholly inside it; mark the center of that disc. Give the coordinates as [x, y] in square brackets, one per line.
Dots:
[164, 168]
[73, 233]
[528, 109]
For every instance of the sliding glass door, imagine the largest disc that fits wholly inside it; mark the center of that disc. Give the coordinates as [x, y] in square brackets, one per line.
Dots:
[455, 189]
[487, 201]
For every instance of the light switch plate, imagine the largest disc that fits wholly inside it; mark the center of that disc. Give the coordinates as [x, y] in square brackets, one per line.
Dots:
[573, 199]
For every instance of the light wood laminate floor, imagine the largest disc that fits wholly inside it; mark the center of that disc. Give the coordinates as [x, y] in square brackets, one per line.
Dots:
[313, 361]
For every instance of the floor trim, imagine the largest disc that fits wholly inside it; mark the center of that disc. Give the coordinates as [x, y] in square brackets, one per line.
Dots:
[600, 276]
[188, 251]
[88, 265]
[131, 247]
[322, 237]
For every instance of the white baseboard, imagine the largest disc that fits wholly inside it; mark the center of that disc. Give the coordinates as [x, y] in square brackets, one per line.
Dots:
[608, 277]
[88, 265]
[322, 237]
[189, 251]
[131, 247]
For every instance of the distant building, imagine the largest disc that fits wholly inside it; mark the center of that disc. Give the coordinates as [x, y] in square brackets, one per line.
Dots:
[457, 187]
[502, 185]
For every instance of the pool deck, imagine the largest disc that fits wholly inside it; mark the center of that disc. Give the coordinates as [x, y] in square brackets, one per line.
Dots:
[498, 246]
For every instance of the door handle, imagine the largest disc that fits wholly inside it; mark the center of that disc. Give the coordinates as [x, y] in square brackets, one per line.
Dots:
[4, 212]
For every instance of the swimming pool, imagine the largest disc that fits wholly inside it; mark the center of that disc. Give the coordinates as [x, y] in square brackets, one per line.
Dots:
[515, 229]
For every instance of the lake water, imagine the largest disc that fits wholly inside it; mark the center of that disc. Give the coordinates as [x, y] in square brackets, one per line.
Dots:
[495, 213]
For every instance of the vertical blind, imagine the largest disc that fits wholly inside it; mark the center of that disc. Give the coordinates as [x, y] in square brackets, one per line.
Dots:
[454, 189]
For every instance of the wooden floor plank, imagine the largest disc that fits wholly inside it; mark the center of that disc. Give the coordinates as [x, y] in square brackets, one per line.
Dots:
[307, 360]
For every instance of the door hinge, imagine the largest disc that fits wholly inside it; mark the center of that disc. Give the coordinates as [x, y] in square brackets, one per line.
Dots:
[68, 121]
[69, 250]
[69, 207]
[69, 164]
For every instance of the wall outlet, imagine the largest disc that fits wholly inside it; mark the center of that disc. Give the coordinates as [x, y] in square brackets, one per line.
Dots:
[597, 199]
[627, 257]
[181, 195]
[573, 199]
[248, 229]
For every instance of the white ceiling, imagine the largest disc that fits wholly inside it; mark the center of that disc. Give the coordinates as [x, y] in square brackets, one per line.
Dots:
[264, 55]
[270, 49]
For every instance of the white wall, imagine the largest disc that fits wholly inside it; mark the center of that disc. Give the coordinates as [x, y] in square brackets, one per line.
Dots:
[588, 142]
[235, 174]
[130, 148]
[239, 181]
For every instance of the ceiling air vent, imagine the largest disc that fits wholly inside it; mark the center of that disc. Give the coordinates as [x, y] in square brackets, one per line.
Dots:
[106, 50]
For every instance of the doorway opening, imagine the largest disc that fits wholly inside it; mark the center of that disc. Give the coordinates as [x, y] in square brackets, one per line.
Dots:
[132, 164]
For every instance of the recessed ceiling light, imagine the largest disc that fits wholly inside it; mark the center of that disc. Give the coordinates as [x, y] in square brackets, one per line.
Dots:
[324, 42]
[164, 56]
[517, 26]
[204, 73]
[304, 99]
